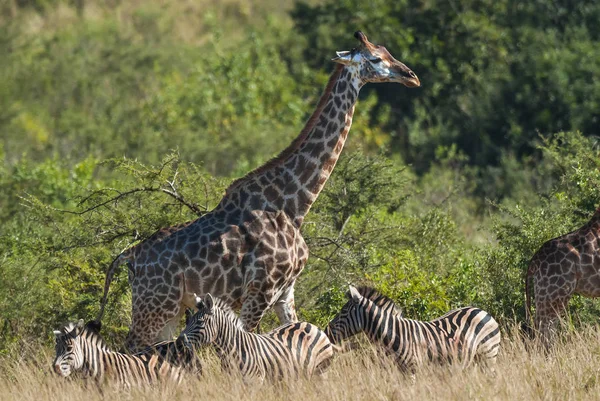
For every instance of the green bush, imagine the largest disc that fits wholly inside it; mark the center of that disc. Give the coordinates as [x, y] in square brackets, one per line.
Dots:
[522, 230]
[494, 73]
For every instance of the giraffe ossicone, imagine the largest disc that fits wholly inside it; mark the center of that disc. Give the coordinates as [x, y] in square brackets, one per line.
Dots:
[249, 250]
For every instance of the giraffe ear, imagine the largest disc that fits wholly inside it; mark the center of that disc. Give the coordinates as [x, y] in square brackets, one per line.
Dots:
[344, 57]
[354, 294]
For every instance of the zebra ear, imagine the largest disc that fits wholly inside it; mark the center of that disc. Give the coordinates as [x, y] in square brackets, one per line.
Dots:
[80, 324]
[188, 315]
[199, 302]
[209, 301]
[57, 333]
[354, 294]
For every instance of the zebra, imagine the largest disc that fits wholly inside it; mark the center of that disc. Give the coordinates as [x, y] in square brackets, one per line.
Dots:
[380, 300]
[288, 351]
[81, 349]
[462, 335]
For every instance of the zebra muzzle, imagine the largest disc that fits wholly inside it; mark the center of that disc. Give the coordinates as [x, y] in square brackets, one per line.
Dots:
[58, 369]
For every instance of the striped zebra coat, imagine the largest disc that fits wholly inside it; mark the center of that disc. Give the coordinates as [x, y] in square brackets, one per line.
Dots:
[81, 349]
[462, 335]
[289, 351]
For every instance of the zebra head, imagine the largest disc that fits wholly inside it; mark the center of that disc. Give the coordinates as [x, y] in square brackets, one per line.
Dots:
[350, 320]
[69, 353]
[198, 331]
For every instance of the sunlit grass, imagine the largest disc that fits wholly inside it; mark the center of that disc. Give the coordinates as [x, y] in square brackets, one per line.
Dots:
[570, 371]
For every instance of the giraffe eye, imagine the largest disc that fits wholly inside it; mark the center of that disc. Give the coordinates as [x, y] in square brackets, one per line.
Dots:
[375, 60]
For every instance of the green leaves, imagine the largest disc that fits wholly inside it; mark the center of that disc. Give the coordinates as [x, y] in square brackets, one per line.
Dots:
[225, 105]
[71, 222]
[495, 74]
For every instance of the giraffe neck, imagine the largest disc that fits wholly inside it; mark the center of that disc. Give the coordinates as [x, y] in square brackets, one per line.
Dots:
[292, 181]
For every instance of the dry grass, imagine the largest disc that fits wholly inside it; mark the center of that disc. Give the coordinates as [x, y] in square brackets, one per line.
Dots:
[570, 373]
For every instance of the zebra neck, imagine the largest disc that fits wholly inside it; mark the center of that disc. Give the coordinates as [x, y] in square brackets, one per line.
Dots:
[94, 359]
[230, 339]
[378, 324]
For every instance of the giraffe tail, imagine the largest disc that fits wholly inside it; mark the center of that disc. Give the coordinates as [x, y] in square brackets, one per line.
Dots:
[110, 273]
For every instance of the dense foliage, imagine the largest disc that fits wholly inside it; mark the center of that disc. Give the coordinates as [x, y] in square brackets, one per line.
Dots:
[118, 119]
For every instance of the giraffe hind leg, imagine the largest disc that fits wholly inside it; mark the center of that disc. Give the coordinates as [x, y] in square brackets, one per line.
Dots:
[171, 327]
[173, 315]
[285, 307]
[547, 319]
[155, 316]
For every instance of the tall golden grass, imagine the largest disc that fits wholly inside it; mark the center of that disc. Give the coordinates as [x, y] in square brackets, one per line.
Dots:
[569, 372]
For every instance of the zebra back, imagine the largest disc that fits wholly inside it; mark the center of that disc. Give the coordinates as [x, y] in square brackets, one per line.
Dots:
[460, 335]
[290, 350]
[80, 348]
[175, 353]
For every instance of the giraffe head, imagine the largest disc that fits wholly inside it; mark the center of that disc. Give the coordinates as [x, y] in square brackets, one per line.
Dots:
[373, 63]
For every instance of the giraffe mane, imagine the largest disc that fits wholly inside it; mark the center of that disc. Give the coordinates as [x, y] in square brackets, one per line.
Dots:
[378, 298]
[297, 142]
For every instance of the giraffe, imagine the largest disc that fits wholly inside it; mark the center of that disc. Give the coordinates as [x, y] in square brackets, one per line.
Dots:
[249, 249]
[563, 266]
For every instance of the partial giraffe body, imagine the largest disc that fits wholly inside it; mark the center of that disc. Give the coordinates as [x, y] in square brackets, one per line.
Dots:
[290, 351]
[562, 267]
[80, 349]
[249, 250]
[460, 336]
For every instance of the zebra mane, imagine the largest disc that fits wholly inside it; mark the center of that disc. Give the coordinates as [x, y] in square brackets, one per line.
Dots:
[91, 329]
[69, 328]
[378, 299]
[228, 312]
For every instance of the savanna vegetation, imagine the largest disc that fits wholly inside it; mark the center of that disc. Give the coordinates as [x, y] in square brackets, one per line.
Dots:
[121, 117]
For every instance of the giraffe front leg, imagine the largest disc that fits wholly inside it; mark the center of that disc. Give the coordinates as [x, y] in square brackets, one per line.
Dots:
[285, 308]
